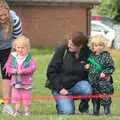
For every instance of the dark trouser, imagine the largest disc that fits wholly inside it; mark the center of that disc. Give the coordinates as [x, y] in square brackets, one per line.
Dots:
[103, 87]
[4, 54]
[96, 107]
[84, 106]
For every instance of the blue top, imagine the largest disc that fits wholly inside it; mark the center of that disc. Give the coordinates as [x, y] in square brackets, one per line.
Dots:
[17, 31]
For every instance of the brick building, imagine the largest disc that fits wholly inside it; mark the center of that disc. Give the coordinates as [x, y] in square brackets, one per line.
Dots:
[46, 22]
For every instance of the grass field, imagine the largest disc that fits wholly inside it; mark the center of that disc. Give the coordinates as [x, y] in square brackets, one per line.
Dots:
[44, 109]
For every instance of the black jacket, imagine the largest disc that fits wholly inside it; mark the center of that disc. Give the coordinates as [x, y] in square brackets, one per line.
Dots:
[64, 70]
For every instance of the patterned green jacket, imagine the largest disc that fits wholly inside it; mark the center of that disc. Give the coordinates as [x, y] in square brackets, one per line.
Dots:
[105, 61]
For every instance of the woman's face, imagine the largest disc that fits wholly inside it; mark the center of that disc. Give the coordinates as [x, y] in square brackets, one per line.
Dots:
[4, 16]
[72, 47]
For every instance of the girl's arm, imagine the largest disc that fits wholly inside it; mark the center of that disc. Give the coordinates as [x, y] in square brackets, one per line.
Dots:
[30, 69]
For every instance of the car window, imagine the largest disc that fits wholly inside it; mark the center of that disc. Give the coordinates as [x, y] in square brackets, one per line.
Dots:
[98, 28]
[108, 23]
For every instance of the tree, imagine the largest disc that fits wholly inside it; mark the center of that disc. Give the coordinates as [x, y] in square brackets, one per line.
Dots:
[108, 8]
[117, 15]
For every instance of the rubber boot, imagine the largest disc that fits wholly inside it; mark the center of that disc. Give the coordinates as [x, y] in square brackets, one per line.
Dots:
[107, 110]
[84, 106]
[96, 108]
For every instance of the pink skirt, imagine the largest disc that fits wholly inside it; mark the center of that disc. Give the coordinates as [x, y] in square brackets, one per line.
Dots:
[21, 96]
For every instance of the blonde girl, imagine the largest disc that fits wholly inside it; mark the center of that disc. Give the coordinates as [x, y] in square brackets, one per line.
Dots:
[21, 67]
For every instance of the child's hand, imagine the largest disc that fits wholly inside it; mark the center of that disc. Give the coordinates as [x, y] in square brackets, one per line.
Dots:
[87, 66]
[102, 75]
[19, 72]
[14, 71]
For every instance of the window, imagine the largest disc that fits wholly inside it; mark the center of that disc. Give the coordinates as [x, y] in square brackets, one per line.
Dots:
[98, 28]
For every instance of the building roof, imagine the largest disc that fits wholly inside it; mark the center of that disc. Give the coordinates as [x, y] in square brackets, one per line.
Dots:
[53, 2]
[87, 1]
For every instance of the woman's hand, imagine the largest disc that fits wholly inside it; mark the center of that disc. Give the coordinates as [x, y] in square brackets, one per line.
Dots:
[87, 66]
[63, 91]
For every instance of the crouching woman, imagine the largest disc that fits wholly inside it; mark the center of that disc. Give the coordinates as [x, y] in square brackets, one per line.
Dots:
[67, 75]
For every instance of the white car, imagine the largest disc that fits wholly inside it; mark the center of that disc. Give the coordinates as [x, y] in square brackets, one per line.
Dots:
[98, 28]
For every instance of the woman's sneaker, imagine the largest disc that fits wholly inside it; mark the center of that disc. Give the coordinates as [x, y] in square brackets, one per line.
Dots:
[8, 109]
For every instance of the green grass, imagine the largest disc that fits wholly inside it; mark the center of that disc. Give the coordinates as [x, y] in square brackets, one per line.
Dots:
[45, 109]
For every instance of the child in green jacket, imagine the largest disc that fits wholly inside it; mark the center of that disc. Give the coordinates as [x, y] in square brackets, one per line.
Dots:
[101, 67]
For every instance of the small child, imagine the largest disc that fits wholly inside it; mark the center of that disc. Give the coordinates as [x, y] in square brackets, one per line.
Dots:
[101, 67]
[20, 67]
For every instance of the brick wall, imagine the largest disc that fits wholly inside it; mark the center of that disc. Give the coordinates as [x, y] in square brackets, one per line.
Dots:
[46, 26]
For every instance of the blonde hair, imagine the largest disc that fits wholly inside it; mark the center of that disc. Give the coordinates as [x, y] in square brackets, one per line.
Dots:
[23, 40]
[3, 4]
[97, 40]
[8, 26]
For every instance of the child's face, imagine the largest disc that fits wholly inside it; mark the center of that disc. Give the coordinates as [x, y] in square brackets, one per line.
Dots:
[98, 48]
[21, 49]
[4, 16]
